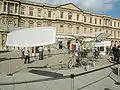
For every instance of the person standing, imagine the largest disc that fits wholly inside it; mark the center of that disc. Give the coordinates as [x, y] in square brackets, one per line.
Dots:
[23, 50]
[115, 53]
[118, 55]
[49, 51]
[27, 55]
[71, 49]
[60, 45]
[41, 52]
[107, 50]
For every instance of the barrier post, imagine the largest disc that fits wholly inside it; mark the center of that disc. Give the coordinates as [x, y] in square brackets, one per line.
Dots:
[9, 71]
[72, 81]
[118, 69]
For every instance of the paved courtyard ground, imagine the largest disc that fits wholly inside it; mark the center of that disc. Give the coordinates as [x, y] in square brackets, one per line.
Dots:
[52, 73]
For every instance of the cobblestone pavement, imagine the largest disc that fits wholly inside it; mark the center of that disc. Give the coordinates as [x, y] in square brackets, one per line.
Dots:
[52, 73]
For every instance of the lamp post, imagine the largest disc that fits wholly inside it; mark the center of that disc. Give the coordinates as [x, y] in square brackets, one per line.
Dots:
[7, 24]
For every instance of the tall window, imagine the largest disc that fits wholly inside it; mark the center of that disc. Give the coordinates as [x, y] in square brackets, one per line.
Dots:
[0, 6]
[95, 20]
[10, 8]
[61, 28]
[95, 29]
[90, 19]
[111, 32]
[114, 24]
[77, 30]
[90, 30]
[70, 28]
[70, 16]
[5, 6]
[118, 33]
[105, 22]
[118, 24]
[106, 31]
[111, 23]
[16, 8]
[114, 33]
[61, 15]
[31, 11]
[85, 30]
[39, 12]
[84, 18]
[100, 21]
[22, 10]
[77, 16]
[49, 13]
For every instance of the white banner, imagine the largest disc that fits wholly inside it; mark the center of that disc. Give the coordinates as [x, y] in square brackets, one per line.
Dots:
[30, 37]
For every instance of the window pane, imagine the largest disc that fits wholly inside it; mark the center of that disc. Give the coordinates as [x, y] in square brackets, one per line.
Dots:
[31, 11]
[5, 6]
[118, 24]
[77, 30]
[39, 12]
[95, 21]
[49, 13]
[114, 24]
[22, 10]
[70, 16]
[61, 15]
[16, 8]
[100, 21]
[84, 18]
[90, 19]
[0, 6]
[77, 17]
[10, 8]
[111, 23]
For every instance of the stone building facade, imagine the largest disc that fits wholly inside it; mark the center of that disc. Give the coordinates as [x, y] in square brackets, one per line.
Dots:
[67, 18]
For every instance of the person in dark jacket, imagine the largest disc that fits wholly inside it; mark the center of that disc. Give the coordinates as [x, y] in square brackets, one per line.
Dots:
[115, 52]
[118, 54]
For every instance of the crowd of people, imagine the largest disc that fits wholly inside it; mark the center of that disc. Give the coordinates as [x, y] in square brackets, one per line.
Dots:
[111, 51]
[74, 48]
[26, 53]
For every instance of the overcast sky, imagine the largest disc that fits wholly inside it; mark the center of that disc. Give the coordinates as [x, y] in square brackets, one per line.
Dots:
[97, 6]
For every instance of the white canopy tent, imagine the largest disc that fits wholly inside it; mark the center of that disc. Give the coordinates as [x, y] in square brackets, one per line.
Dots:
[31, 37]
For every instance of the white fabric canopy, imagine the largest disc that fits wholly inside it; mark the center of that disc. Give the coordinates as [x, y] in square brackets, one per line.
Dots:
[102, 36]
[31, 37]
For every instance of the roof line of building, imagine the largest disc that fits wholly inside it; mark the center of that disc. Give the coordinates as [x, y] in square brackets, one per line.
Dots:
[57, 6]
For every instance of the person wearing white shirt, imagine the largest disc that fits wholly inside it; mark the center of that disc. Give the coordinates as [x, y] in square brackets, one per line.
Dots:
[27, 55]
[41, 52]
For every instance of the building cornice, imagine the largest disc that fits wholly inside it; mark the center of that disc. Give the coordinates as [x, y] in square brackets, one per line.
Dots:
[59, 6]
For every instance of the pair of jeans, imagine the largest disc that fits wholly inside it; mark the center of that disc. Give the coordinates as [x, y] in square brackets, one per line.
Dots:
[27, 58]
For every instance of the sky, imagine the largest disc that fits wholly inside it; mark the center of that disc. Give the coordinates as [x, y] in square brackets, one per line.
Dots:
[105, 7]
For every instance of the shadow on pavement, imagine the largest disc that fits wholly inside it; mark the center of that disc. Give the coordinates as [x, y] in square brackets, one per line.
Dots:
[4, 59]
[5, 51]
[46, 73]
[107, 89]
